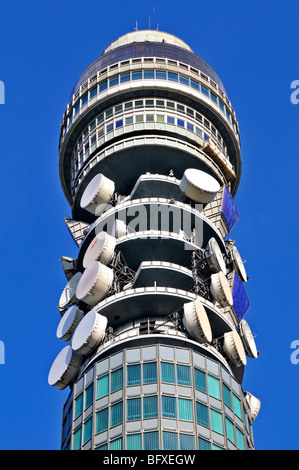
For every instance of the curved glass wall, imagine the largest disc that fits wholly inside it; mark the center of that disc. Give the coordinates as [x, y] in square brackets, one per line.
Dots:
[151, 398]
[142, 114]
[144, 75]
[148, 49]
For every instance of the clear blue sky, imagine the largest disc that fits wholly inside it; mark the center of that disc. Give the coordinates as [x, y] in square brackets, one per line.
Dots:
[45, 45]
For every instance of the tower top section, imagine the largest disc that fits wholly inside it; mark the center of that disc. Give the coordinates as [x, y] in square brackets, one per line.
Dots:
[149, 35]
[147, 43]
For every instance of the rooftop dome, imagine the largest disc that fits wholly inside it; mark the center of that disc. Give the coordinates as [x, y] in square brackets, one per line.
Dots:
[150, 35]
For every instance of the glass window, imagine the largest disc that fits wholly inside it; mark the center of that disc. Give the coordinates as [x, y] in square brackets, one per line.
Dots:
[170, 440]
[230, 430]
[134, 442]
[129, 120]
[149, 103]
[100, 132]
[113, 81]
[207, 124]
[160, 118]
[214, 98]
[205, 90]
[133, 409]
[77, 439]
[138, 104]
[149, 118]
[160, 103]
[88, 396]
[77, 108]
[116, 444]
[109, 113]
[125, 77]
[173, 77]
[195, 85]
[84, 100]
[186, 442]
[237, 406]
[200, 380]
[150, 407]
[216, 447]
[100, 118]
[137, 75]
[139, 118]
[184, 80]
[213, 387]
[133, 374]
[221, 105]
[118, 124]
[168, 407]
[116, 414]
[190, 127]
[148, 74]
[216, 421]
[240, 439]
[149, 372]
[185, 409]
[202, 414]
[109, 128]
[116, 379]
[183, 375]
[180, 107]
[151, 440]
[203, 444]
[102, 447]
[102, 420]
[118, 109]
[87, 430]
[170, 104]
[227, 396]
[103, 85]
[167, 372]
[93, 92]
[160, 74]
[128, 105]
[181, 123]
[198, 132]
[78, 405]
[170, 120]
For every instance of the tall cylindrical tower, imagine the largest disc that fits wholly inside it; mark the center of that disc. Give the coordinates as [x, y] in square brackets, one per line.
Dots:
[152, 329]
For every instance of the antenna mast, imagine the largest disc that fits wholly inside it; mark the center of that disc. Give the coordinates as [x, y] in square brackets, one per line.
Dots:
[149, 18]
